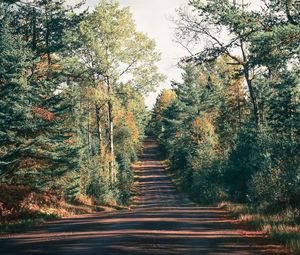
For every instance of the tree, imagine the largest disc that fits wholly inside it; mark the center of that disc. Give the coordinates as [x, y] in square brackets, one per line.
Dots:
[43, 151]
[232, 20]
[188, 125]
[72, 87]
[14, 102]
[162, 103]
[258, 48]
[112, 50]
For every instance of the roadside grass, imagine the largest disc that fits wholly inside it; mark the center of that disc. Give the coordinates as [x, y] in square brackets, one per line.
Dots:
[282, 226]
[24, 224]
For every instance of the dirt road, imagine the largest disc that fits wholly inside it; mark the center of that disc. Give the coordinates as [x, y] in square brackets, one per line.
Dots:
[159, 223]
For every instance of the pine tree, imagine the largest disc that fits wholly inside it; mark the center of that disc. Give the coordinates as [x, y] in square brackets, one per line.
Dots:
[45, 149]
[15, 111]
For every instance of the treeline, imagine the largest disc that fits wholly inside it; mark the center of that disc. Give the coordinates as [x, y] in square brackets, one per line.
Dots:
[72, 113]
[231, 128]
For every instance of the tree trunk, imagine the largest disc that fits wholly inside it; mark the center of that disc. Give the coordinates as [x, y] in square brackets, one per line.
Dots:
[249, 84]
[107, 130]
[34, 33]
[111, 134]
[99, 131]
[89, 131]
[239, 108]
[48, 52]
[253, 98]
[288, 6]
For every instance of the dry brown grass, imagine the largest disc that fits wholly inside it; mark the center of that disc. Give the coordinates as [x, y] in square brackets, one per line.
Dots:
[282, 226]
[21, 207]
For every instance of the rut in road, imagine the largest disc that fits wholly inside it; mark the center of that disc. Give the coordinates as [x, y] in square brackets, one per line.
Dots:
[159, 223]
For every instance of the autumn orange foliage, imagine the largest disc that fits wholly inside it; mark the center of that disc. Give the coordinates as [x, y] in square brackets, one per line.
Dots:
[201, 126]
[135, 135]
[44, 114]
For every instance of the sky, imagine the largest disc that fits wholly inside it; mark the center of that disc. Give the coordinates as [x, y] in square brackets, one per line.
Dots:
[153, 18]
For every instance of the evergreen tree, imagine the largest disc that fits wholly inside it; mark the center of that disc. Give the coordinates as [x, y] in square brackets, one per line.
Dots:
[15, 111]
[46, 153]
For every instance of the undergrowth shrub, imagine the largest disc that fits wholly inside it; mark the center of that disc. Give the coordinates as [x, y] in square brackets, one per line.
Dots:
[269, 187]
[24, 202]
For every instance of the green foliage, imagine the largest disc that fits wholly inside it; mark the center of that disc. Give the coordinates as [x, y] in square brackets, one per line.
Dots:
[65, 112]
[14, 108]
[215, 145]
[35, 130]
[108, 63]
[249, 156]
[187, 133]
